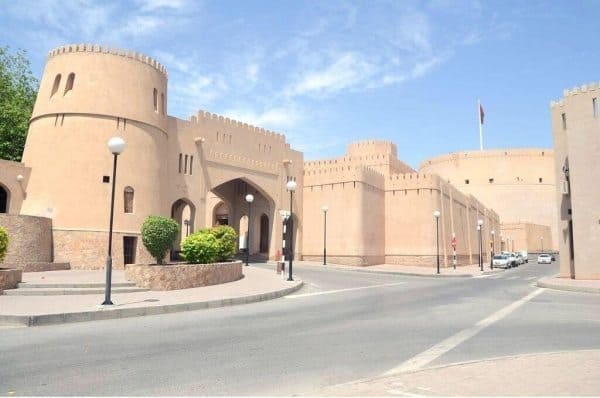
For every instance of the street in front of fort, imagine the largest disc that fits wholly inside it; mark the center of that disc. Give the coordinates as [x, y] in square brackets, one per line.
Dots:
[341, 326]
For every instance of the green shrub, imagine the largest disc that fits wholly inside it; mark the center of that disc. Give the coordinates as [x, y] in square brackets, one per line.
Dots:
[3, 243]
[200, 247]
[226, 239]
[158, 235]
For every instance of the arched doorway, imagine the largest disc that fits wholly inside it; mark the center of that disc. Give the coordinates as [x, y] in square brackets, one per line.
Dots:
[264, 234]
[3, 200]
[221, 214]
[183, 212]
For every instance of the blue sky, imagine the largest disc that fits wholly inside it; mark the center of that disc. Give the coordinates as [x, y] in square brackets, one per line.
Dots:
[326, 73]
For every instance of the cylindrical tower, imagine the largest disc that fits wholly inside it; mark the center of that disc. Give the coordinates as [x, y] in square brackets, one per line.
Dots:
[88, 94]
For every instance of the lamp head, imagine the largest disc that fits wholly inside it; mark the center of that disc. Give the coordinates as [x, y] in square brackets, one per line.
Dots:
[116, 145]
[325, 208]
[436, 214]
[20, 178]
[493, 232]
[480, 222]
[291, 185]
[249, 198]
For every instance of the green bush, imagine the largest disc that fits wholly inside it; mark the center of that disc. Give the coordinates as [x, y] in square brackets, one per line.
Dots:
[226, 240]
[200, 247]
[3, 243]
[158, 235]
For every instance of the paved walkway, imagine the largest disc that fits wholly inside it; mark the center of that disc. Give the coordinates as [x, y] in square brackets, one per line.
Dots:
[465, 271]
[573, 285]
[257, 285]
[575, 373]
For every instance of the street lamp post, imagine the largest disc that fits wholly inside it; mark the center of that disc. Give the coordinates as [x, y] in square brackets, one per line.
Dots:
[187, 227]
[249, 199]
[436, 215]
[493, 250]
[325, 208]
[542, 243]
[479, 228]
[116, 145]
[291, 186]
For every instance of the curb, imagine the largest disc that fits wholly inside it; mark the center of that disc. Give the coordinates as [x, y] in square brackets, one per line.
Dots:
[84, 316]
[579, 289]
[343, 268]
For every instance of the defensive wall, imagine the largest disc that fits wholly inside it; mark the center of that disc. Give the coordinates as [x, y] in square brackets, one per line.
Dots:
[576, 132]
[519, 184]
[392, 213]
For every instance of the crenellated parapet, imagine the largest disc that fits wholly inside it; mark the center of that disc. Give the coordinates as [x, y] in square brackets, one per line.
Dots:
[334, 174]
[381, 147]
[457, 157]
[204, 116]
[413, 181]
[99, 49]
[593, 87]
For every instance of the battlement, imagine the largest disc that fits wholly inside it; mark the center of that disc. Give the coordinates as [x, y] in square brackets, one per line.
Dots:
[381, 147]
[332, 174]
[202, 116]
[585, 88]
[457, 156]
[95, 48]
[413, 181]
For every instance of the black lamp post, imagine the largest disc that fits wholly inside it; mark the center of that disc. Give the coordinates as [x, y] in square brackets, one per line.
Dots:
[291, 186]
[249, 199]
[436, 215]
[116, 145]
[187, 227]
[479, 228]
[325, 208]
[493, 249]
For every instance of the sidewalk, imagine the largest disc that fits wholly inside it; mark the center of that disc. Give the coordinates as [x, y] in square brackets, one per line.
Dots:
[465, 271]
[257, 285]
[575, 373]
[572, 285]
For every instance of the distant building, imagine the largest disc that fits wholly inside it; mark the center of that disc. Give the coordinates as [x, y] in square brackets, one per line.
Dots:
[576, 130]
[519, 184]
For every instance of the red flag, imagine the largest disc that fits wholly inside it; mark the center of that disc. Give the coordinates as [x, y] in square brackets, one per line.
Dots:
[481, 114]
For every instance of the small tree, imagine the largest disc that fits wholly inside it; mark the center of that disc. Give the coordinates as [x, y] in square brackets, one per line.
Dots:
[226, 238]
[3, 243]
[200, 247]
[158, 235]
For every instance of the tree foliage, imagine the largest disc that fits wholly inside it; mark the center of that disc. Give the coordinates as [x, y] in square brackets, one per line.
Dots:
[3, 243]
[18, 90]
[158, 235]
[209, 245]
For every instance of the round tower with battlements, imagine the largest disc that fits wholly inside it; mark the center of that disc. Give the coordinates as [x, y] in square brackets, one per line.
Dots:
[87, 95]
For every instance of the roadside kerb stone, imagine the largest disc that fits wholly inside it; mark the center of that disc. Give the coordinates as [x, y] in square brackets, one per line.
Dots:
[568, 285]
[116, 313]
[407, 273]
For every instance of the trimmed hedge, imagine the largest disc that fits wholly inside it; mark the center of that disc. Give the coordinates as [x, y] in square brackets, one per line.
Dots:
[209, 245]
[158, 235]
[3, 243]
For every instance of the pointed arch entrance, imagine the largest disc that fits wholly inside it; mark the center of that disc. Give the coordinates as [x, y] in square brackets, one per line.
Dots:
[3, 200]
[183, 212]
[232, 195]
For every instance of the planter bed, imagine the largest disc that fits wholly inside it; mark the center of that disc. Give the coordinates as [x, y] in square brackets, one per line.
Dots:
[10, 278]
[182, 276]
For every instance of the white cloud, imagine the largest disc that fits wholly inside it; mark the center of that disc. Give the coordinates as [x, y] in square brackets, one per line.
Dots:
[347, 70]
[152, 5]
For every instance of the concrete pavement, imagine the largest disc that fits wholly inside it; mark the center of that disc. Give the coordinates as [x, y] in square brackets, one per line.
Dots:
[257, 285]
[575, 373]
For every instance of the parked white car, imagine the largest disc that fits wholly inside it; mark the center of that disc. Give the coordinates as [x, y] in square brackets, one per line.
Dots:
[525, 255]
[544, 259]
[500, 261]
[520, 259]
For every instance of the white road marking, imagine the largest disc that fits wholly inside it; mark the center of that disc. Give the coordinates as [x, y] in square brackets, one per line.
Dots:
[428, 356]
[292, 296]
[483, 276]
[531, 278]
[512, 278]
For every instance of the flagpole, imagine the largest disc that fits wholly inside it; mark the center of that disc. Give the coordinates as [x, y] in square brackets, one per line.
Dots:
[480, 127]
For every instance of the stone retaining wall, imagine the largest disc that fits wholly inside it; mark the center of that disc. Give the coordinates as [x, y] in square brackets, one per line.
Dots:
[38, 267]
[29, 238]
[10, 278]
[182, 276]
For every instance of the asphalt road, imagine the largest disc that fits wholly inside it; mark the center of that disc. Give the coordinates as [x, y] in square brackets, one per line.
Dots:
[340, 327]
